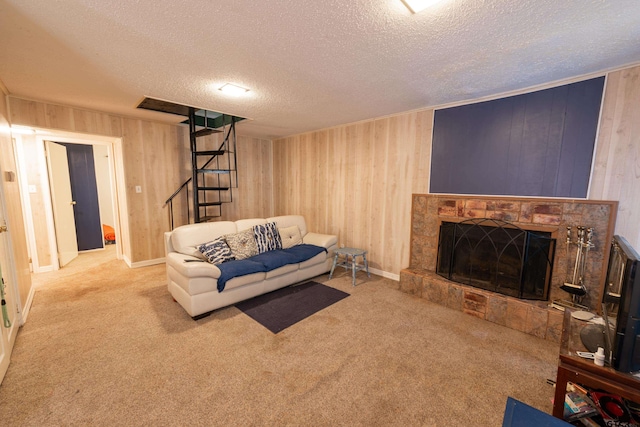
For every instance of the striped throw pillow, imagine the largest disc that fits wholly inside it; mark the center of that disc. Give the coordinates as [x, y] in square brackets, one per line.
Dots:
[267, 237]
[216, 251]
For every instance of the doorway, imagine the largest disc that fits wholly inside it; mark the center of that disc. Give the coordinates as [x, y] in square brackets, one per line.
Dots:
[80, 173]
[90, 156]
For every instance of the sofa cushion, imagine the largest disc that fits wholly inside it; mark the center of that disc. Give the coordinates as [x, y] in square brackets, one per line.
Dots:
[245, 224]
[242, 244]
[289, 268]
[186, 238]
[267, 237]
[289, 220]
[320, 258]
[216, 251]
[268, 261]
[237, 268]
[191, 268]
[290, 236]
[324, 240]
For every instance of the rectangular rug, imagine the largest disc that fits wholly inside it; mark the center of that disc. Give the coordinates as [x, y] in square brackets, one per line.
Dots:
[284, 307]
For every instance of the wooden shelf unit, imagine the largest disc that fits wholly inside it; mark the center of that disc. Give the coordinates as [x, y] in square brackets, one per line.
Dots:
[572, 368]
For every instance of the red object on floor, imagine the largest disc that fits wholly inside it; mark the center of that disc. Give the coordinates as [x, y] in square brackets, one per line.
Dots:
[109, 233]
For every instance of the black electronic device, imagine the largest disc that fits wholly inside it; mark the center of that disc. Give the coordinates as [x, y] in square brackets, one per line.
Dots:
[621, 306]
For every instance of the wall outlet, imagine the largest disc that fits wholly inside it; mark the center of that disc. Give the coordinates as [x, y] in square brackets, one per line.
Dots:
[33, 189]
[138, 189]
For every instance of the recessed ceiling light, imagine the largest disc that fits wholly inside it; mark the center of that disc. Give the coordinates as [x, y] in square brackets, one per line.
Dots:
[232, 89]
[416, 6]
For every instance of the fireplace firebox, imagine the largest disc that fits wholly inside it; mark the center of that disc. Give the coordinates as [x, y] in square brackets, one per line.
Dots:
[497, 256]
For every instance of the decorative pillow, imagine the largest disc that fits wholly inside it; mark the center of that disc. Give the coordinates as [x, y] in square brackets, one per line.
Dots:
[290, 236]
[216, 251]
[267, 237]
[242, 244]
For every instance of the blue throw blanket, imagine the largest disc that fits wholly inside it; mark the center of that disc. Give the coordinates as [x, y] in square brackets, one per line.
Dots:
[266, 261]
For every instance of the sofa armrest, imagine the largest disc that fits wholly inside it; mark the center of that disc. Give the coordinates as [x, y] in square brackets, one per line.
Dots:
[189, 266]
[323, 240]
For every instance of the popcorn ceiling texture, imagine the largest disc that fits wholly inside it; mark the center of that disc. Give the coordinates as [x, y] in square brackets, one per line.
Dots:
[309, 64]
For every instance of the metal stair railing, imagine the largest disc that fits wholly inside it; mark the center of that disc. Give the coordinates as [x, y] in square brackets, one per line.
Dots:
[214, 156]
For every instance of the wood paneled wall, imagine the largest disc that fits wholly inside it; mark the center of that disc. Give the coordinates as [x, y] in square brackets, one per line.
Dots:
[156, 157]
[14, 217]
[616, 173]
[151, 152]
[253, 198]
[356, 181]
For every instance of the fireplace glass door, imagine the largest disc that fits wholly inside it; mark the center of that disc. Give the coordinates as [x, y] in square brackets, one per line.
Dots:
[496, 256]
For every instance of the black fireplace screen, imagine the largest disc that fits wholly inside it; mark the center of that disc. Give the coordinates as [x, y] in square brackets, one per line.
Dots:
[497, 256]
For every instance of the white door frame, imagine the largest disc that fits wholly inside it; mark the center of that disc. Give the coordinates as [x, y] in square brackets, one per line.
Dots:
[116, 177]
[8, 335]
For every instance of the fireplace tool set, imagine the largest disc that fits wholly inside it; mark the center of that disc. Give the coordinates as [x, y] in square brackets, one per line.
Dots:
[576, 287]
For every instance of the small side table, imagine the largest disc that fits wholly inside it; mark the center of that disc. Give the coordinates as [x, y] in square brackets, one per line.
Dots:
[353, 265]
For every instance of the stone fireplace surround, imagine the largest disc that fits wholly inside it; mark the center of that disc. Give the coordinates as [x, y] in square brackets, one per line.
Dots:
[554, 215]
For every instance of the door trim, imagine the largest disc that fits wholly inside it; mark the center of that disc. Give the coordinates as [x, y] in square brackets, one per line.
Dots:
[116, 177]
[13, 294]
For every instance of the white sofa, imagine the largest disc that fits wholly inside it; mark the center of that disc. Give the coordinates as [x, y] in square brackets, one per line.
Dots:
[193, 284]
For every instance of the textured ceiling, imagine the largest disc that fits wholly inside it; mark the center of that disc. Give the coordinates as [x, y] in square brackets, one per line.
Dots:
[309, 64]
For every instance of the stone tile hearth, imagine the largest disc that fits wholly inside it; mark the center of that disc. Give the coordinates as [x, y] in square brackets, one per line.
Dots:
[553, 215]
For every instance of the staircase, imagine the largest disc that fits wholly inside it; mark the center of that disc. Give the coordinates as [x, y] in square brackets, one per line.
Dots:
[212, 140]
[214, 170]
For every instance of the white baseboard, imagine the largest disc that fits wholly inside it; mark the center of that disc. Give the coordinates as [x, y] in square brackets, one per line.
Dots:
[385, 274]
[27, 306]
[45, 269]
[382, 273]
[145, 263]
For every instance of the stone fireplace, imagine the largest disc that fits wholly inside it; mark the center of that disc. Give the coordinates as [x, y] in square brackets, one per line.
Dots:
[550, 217]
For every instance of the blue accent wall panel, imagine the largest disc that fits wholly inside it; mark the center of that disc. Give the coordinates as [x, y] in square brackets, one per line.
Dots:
[536, 144]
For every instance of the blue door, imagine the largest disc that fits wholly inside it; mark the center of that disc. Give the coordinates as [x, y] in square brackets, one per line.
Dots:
[82, 174]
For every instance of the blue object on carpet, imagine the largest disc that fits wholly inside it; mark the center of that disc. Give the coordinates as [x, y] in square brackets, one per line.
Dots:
[518, 414]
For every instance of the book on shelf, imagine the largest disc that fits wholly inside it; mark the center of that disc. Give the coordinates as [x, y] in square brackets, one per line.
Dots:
[577, 405]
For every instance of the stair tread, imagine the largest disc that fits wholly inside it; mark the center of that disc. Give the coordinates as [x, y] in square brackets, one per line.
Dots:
[214, 188]
[205, 132]
[210, 203]
[210, 153]
[220, 171]
[208, 217]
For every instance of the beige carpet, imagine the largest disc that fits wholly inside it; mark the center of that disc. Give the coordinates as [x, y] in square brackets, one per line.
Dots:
[106, 345]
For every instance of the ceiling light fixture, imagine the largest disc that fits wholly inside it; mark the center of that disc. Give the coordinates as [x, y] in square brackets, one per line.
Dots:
[416, 6]
[233, 90]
